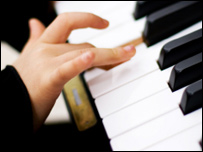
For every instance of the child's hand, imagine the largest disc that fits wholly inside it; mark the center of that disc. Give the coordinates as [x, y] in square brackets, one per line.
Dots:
[47, 62]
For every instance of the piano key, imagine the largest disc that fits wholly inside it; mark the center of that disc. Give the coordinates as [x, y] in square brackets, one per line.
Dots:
[142, 112]
[179, 49]
[144, 8]
[155, 131]
[186, 72]
[187, 140]
[144, 62]
[132, 92]
[192, 98]
[121, 76]
[168, 21]
[122, 13]
[119, 35]
[101, 36]
[91, 74]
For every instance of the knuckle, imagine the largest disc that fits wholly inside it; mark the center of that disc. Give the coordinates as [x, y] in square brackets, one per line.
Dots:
[116, 54]
[88, 45]
[60, 74]
[82, 51]
[62, 16]
[65, 18]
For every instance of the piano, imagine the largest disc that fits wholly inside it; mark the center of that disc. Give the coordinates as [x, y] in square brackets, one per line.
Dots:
[154, 101]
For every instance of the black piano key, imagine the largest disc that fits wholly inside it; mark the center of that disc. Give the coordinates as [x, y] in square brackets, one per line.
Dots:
[143, 8]
[192, 98]
[186, 72]
[170, 20]
[179, 49]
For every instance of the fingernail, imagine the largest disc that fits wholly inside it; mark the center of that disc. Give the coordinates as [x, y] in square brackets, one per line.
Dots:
[86, 56]
[105, 22]
[129, 48]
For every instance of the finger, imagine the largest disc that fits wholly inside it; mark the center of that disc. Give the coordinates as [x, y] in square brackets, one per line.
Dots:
[36, 30]
[61, 27]
[114, 56]
[61, 49]
[73, 47]
[104, 56]
[70, 69]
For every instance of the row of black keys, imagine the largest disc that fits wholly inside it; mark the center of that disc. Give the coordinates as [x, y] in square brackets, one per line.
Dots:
[187, 69]
[186, 53]
[165, 18]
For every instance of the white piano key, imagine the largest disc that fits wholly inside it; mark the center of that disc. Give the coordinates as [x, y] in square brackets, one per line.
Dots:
[121, 75]
[142, 64]
[187, 140]
[122, 13]
[91, 74]
[142, 112]
[157, 130]
[88, 6]
[121, 30]
[121, 16]
[132, 92]
[122, 34]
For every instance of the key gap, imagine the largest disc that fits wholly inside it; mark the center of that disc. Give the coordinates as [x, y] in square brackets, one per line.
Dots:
[170, 136]
[126, 83]
[120, 134]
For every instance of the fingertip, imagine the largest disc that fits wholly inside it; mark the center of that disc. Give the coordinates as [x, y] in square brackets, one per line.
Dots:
[127, 52]
[102, 24]
[36, 27]
[105, 23]
[129, 48]
[87, 57]
[31, 22]
[97, 22]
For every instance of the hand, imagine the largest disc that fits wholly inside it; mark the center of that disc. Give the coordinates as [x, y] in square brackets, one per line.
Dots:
[47, 62]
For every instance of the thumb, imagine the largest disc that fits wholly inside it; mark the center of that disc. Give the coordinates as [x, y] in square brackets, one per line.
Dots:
[36, 29]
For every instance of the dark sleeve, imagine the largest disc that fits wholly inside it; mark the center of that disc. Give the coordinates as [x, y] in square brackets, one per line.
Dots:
[18, 112]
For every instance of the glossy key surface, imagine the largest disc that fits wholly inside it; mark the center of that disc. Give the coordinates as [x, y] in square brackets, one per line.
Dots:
[186, 72]
[192, 98]
[144, 8]
[179, 49]
[170, 20]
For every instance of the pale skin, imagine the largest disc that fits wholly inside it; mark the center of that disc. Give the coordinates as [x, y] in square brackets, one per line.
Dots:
[47, 62]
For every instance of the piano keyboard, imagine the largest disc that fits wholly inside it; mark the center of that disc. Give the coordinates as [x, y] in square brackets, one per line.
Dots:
[153, 101]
